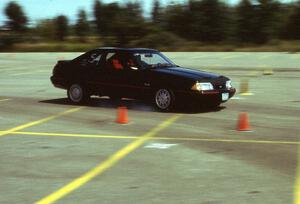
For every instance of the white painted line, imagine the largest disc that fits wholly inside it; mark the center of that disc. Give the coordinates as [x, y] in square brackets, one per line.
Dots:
[159, 146]
[30, 73]
[295, 56]
[6, 99]
[7, 68]
[230, 57]
[237, 98]
[265, 57]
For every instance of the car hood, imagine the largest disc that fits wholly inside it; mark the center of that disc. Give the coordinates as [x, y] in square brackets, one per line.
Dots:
[187, 73]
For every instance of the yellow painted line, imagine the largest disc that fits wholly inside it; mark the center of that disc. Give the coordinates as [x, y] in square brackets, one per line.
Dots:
[253, 74]
[112, 160]
[247, 94]
[232, 140]
[6, 99]
[37, 122]
[158, 138]
[297, 182]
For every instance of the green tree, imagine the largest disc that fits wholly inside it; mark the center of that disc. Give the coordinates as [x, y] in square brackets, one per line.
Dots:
[156, 13]
[97, 10]
[205, 20]
[17, 19]
[213, 21]
[104, 15]
[245, 30]
[195, 23]
[292, 31]
[134, 10]
[177, 20]
[82, 27]
[45, 29]
[266, 20]
[61, 27]
[128, 24]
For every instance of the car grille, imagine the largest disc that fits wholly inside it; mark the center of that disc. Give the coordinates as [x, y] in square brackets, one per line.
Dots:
[219, 86]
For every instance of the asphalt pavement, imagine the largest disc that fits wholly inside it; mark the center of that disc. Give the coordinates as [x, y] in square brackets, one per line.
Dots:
[52, 151]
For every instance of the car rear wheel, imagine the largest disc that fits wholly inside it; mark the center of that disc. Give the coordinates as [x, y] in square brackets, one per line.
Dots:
[164, 99]
[77, 94]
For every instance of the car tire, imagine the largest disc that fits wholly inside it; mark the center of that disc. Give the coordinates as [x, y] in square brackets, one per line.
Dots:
[77, 94]
[164, 99]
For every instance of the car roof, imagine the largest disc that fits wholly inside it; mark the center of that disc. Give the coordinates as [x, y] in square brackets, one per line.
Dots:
[116, 49]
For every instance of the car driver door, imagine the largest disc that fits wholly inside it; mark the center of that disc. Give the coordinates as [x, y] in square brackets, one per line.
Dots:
[114, 78]
[135, 78]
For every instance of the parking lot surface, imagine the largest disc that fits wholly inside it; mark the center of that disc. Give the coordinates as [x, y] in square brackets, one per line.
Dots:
[52, 151]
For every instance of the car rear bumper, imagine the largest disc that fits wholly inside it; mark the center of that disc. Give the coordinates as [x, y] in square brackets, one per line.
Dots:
[206, 97]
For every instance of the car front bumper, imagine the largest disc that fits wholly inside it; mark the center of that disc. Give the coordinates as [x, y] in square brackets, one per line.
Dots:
[58, 82]
[206, 97]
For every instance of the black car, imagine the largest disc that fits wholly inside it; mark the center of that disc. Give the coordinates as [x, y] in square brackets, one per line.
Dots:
[139, 73]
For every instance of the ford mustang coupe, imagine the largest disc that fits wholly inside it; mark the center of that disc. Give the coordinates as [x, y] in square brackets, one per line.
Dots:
[139, 73]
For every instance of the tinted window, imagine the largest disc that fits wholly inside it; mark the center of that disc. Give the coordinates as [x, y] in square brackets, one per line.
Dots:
[91, 58]
[114, 61]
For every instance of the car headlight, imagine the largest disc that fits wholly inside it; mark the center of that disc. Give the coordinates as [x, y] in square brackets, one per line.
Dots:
[206, 86]
[228, 85]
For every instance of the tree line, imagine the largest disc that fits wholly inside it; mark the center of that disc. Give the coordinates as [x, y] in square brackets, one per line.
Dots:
[208, 21]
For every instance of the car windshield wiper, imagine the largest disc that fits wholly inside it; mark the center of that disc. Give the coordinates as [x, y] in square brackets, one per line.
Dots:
[163, 65]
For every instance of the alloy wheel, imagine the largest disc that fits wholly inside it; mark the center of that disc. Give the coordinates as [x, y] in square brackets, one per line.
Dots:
[163, 99]
[76, 93]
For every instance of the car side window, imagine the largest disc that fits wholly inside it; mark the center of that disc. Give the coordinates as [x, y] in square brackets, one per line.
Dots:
[92, 58]
[130, 63]
[149, 58]
[114, 62]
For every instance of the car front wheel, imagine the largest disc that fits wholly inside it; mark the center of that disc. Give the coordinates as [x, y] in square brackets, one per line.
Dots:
[164, 99]
[77, 94]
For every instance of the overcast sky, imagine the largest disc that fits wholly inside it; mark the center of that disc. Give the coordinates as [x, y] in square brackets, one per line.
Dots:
[40, 9]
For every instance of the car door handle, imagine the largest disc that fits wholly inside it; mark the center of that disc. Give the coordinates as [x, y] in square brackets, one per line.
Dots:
[147, 84]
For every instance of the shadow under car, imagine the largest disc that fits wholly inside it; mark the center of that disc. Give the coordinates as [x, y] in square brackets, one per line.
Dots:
[137, 105]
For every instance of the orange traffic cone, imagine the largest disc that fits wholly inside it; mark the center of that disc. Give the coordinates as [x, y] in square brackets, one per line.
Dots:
[122, 117]
[243, 124]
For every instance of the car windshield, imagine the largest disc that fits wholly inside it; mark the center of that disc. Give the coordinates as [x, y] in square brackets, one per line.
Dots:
[152, 60]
